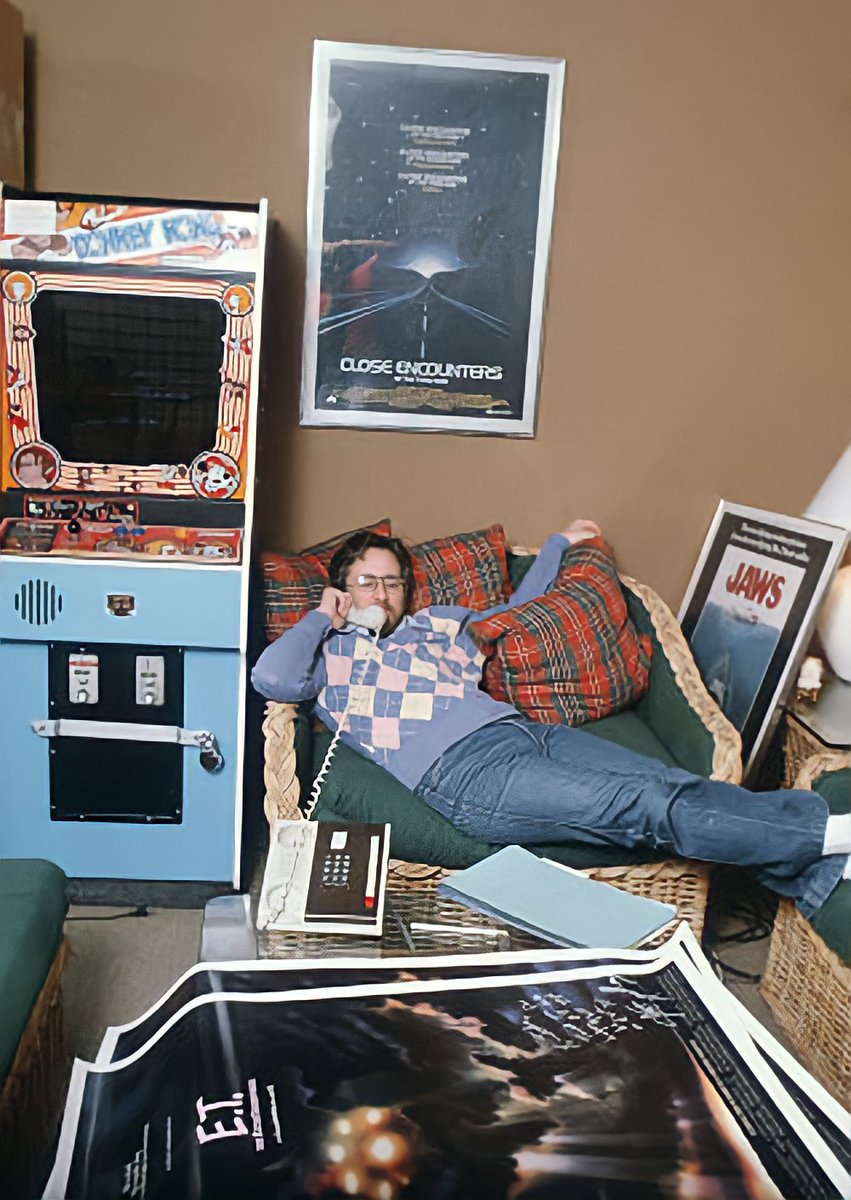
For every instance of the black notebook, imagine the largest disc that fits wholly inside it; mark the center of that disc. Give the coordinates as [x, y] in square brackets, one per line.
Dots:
[325, 877]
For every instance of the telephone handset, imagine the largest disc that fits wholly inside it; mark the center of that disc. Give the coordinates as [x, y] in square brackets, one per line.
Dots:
[373, 618]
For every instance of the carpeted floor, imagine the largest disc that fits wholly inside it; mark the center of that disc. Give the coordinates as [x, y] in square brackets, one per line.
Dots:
[121, 964]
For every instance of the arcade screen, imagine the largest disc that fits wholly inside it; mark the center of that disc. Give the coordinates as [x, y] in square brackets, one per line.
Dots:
[129, 379]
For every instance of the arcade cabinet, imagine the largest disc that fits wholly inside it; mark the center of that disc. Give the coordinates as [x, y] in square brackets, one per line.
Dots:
[130, 345]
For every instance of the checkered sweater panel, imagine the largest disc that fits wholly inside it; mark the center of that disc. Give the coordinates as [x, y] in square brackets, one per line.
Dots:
[409, 697]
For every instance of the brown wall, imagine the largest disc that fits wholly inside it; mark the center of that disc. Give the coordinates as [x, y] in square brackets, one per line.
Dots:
[11, 95]
[697, 330]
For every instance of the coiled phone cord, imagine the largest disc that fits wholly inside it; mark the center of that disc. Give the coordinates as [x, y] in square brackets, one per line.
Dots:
[316, 790]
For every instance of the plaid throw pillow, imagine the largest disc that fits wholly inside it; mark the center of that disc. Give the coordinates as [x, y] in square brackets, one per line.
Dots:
[572, 655]
[293, 583]
[470, 569]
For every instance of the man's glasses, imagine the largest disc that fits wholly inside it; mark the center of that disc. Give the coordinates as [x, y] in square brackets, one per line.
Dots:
[369, 583]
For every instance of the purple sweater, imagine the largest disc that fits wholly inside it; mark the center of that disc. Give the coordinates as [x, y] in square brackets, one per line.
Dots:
[406, 698]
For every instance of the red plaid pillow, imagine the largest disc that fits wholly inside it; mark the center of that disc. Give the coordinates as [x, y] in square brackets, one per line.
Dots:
[293, 583]
[572, 655]
[470, 569]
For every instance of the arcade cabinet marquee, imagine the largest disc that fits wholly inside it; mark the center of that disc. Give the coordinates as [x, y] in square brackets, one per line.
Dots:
[130, 347]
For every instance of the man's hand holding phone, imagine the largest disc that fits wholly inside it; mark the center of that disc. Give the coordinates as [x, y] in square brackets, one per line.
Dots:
[336, 605]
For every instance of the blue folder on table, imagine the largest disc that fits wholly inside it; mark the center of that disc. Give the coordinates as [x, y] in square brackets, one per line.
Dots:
[557, 903]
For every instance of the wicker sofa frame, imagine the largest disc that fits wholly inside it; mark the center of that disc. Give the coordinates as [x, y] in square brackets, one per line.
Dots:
[34, 1091]
[681, 882]
[806, 985]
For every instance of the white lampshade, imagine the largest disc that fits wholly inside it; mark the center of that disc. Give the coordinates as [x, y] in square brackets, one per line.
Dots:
[832, 503]
[834, 624]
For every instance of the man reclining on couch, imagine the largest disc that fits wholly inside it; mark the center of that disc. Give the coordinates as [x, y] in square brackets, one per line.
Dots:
[408, 698]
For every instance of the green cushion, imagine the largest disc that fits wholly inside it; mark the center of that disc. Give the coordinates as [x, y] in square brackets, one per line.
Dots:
[833, 920]
[627, 729]
[356, 789]
[32, 901]
[664, 709]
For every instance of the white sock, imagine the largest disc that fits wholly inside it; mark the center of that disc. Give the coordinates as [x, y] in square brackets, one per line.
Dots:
[837, 834]
[846, 874]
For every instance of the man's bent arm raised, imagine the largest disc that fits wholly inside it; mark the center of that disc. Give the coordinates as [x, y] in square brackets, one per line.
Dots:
[292, 668]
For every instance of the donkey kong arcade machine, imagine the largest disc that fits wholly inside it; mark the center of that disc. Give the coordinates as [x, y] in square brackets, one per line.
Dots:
[130, 334]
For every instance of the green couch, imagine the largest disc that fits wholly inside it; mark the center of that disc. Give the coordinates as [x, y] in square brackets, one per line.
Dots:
[676, 721]
[33, 1064]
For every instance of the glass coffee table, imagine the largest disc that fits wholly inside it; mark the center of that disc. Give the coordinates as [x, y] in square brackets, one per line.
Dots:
[412, 902]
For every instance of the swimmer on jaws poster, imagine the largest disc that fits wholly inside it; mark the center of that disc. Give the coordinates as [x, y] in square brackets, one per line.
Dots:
[430, 199]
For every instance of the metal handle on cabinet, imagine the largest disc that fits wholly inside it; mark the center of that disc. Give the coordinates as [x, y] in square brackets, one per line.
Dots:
[212, 759]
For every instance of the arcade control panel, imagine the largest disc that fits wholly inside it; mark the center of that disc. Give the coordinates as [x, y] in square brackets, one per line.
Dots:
[110, 529]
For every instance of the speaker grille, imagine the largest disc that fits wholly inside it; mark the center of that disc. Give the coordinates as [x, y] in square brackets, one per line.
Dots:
[38, 602]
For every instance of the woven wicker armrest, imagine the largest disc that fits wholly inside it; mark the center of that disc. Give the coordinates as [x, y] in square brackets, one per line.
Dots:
[806, 983]
[820, 764]
[32, 1096]
[279, 763]
[727, 753]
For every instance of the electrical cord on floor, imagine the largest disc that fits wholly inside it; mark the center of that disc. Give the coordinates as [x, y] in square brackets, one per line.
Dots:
[743, 901]
[140, 911]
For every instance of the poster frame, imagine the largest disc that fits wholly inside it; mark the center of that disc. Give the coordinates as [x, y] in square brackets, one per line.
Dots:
[822, 546]
[518, 426]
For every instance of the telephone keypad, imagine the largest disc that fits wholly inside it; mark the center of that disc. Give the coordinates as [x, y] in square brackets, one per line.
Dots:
[335, 869]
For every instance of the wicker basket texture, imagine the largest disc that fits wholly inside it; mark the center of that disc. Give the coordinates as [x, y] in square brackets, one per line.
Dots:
[806, 984]
[34, 1092]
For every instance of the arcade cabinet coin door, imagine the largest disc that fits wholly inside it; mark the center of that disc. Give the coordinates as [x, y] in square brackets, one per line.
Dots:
[132, 693]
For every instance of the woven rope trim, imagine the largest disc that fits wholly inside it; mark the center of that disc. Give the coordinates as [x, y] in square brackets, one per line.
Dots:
[799, 745]
[820, 764]
[279, 764]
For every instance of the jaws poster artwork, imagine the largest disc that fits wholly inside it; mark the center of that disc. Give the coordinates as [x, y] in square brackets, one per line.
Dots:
[749, 610]
[738, 631]
[430, 203]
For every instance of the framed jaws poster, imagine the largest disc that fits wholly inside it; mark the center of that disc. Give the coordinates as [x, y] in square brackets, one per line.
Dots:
[430, 200]
[749, 610]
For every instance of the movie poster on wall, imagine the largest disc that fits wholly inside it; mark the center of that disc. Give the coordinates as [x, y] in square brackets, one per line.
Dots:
[749, 610]
[430, 199]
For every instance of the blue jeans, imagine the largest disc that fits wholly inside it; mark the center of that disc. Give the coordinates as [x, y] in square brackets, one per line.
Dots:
[516, 781]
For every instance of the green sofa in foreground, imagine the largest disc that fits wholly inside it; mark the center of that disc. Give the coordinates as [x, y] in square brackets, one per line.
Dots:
[34, 1067]
[676, 721]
